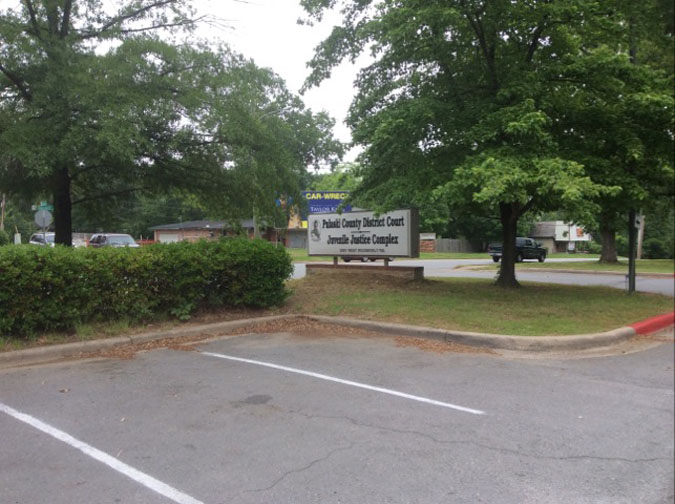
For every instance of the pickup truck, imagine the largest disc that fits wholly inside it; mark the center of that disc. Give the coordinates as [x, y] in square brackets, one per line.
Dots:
[526, 248]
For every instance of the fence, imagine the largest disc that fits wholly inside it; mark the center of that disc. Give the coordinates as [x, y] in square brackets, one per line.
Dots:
[453, 245]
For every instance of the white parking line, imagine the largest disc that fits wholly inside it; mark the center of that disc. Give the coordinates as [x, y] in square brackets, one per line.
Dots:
[348, 382]
[119, 466]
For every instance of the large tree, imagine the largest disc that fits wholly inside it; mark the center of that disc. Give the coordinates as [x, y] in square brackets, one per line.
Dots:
[457, 103]
[616, 111]
[96, 105]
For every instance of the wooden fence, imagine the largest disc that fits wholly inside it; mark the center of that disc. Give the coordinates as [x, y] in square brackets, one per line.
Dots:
[459, 245]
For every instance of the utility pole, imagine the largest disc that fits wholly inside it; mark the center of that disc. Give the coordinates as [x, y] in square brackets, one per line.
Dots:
[633, 225]
[2, 213]
[640, 234]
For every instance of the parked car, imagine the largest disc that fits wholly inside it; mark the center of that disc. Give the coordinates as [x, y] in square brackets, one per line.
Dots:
[44, 239]
[526, 248]
[112, 240]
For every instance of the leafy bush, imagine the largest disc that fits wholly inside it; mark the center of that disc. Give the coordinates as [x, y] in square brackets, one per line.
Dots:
[594, 247]
[653, 248]
[47, 288]
[622, 245]
[4, 237]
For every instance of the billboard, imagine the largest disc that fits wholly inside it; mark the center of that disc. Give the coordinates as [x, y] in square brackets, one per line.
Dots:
[393, 234]
[325, 201]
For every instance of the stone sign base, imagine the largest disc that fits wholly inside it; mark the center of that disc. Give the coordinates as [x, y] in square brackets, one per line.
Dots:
[409, 272]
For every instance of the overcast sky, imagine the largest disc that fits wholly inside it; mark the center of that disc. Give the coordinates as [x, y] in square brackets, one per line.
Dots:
[266, 30]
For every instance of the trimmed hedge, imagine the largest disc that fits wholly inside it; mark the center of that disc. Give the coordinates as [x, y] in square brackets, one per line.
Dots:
[44, 288]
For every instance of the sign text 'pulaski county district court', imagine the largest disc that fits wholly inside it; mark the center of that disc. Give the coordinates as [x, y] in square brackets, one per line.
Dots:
[392, 234]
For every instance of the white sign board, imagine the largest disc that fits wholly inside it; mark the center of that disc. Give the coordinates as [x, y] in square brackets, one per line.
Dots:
[393, 234]
[570, 232]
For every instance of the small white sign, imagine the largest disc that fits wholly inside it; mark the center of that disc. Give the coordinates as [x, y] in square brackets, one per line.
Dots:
[570, 232]
[393, 234]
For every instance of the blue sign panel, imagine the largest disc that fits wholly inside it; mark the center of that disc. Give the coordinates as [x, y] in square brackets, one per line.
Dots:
[325, 201]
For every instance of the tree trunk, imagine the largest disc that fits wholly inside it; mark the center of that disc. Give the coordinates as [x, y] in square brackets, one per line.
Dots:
[608, 238]
[63, 224]
[509, 219]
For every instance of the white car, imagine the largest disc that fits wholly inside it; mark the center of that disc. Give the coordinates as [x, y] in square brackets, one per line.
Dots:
[44, 239]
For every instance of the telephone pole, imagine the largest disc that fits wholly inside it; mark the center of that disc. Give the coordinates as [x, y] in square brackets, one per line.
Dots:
[633, 226]
[2, 213]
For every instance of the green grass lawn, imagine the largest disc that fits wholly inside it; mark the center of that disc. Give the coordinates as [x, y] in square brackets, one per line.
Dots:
[641, 266]
[474, 304]
[300, 255]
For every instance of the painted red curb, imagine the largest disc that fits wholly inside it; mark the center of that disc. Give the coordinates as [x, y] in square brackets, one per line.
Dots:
[654, 324]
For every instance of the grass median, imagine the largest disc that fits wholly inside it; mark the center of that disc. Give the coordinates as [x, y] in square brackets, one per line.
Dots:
[642, 266]
[474, 305]
[300, 255]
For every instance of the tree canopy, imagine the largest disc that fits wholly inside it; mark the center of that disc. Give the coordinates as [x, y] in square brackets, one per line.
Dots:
[465, 101]
[96, 105]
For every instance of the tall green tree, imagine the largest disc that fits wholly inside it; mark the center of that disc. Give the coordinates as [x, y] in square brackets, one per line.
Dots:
[95, 106]
[616, 111]
[457, 103]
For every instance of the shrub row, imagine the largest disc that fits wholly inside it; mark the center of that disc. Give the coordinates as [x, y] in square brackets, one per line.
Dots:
[56, 288]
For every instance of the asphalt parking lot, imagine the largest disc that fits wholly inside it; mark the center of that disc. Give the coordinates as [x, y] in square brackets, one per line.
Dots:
[343, 417]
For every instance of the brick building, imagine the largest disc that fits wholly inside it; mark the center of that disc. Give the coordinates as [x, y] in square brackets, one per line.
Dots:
[207, 230]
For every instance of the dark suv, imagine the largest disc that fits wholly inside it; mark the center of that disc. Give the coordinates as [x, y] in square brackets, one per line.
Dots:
[526, 248]
[112, 240]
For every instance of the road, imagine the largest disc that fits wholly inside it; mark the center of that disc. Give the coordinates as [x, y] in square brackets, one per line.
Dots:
[321, 417]
[447, 268]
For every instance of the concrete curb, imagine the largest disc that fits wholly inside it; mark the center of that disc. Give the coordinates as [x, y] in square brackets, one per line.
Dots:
[495, 341]
[615, 273]
[572, 271]
[54, 352]
[654, 324]
[51, 353]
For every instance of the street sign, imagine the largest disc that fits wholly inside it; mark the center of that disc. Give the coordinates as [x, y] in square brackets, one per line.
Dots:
[43, 206]
[637, 222]
[43, 218]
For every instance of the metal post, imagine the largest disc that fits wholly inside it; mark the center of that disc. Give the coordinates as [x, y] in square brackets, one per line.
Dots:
[2, 213]
[631, 250]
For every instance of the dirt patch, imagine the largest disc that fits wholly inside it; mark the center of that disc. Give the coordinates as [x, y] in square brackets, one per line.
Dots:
[300, 327]
[666, 335]
[185, 344]
[306, 328]
[437, 346]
